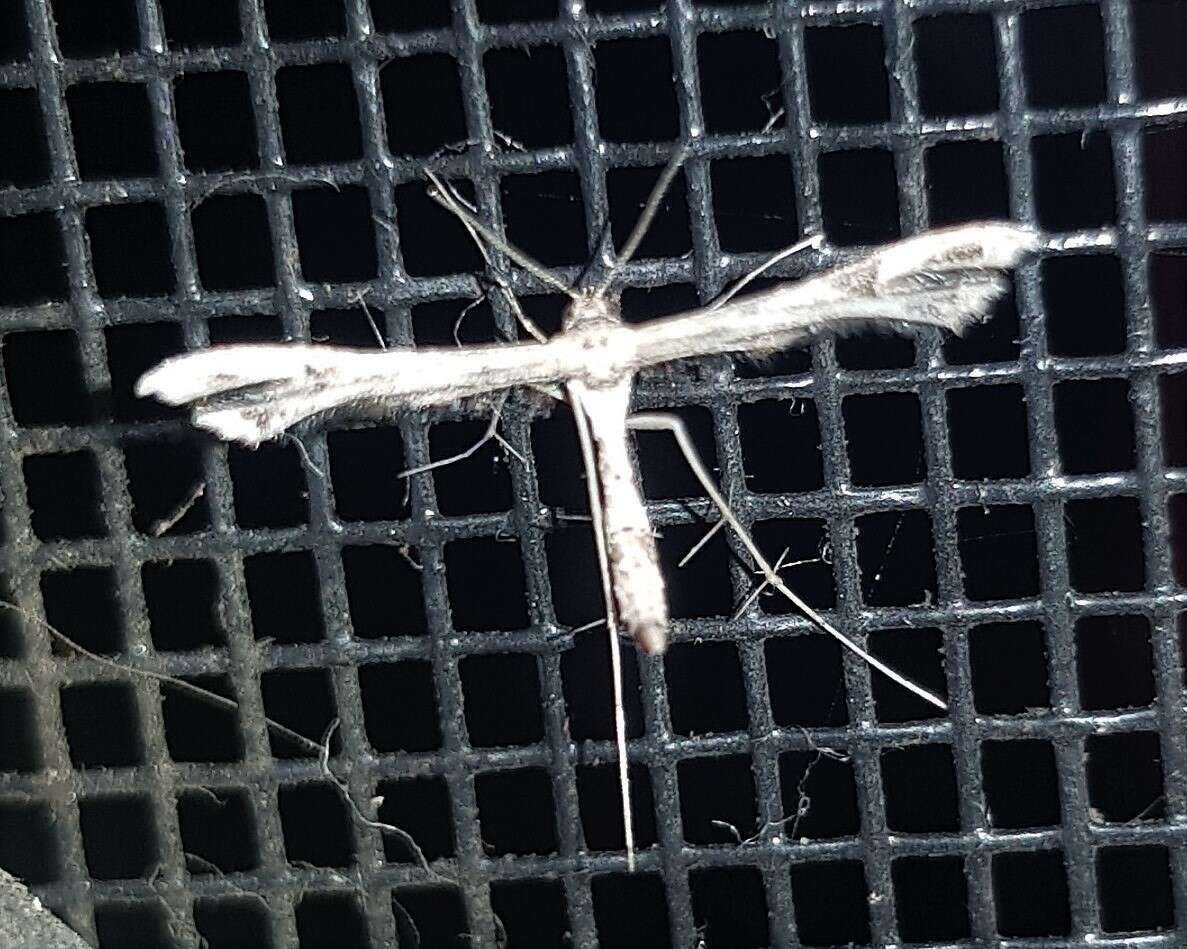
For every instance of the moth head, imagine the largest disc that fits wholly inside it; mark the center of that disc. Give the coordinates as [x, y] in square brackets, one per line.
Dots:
[590, 308]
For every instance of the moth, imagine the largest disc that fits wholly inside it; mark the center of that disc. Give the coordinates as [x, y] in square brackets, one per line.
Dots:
[948, 279]
[254, 392]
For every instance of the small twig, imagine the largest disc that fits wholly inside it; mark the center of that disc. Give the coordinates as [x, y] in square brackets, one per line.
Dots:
[323, 758]
[204, 695]
[320, 749]
[171, 520]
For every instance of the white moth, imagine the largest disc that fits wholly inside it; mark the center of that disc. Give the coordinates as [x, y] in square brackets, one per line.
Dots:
[250, 393]
[254, 392]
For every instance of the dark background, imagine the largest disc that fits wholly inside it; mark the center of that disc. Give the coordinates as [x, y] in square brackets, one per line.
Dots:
[996, 509]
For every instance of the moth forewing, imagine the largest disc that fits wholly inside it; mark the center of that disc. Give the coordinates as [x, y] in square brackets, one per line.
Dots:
[253, 392]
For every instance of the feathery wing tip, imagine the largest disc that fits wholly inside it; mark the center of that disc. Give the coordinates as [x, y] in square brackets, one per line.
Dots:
[988, 245]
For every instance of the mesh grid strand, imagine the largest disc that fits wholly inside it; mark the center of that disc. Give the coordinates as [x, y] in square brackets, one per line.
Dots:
[996, 509]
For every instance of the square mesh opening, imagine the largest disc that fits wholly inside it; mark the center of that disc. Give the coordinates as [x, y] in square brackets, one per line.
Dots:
[1000, 516]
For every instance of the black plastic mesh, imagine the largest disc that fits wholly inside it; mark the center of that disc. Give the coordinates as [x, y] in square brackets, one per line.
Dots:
[992, 513]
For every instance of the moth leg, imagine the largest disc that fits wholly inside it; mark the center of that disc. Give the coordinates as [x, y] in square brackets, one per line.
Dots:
[461, 317]
[659, 422]
[491, 433]
[448, 197]
[597, 514]
[814, 243]
[696, 548]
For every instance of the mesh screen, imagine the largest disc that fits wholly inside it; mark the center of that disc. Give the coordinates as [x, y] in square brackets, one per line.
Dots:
[991, 514]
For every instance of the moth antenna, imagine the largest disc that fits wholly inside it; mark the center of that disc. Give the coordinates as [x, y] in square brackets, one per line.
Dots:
[440, 193]
[643, 225]
[493, 273]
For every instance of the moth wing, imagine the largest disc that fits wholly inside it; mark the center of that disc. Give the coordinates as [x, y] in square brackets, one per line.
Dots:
[252, 393]
[947, 278]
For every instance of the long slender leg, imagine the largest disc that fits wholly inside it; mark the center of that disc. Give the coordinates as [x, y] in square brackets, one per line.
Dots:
[593, 484]
[653, 421]
[449, 199]
[766, 265]
[491, 434]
